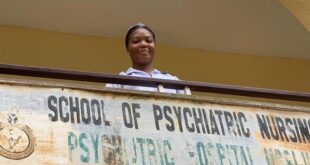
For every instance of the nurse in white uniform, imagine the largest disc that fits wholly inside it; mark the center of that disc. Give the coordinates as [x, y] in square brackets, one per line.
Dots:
[140, 45]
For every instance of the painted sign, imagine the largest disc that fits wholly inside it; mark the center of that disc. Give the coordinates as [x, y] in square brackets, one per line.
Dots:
[44, 124]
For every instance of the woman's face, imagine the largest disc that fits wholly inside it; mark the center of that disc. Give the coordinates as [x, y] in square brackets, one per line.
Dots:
[141, 47]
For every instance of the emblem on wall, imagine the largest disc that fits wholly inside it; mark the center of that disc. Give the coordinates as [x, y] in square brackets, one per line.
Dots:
[16, 140]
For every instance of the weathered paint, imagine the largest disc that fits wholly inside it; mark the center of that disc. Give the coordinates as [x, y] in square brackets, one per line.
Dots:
[56, 125]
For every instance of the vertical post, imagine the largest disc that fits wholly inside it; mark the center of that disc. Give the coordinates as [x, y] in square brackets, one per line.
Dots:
[187, 90]
[160, 88]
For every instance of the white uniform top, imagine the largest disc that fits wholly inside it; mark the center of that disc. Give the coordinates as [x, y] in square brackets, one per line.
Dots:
[154, 74]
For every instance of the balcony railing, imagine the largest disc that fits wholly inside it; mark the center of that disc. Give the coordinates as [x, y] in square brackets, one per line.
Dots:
[139, 81]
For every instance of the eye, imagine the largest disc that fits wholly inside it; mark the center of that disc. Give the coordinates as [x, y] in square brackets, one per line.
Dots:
[149, 40]
[135, 40]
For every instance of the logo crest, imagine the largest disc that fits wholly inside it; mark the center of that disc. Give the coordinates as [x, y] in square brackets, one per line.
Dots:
[16, 140]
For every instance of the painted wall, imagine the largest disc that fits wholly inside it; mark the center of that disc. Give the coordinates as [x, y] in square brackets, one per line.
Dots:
[55, 125]
[97, 54]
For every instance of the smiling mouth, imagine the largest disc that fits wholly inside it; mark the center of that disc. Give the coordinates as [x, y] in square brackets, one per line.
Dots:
[144, 51]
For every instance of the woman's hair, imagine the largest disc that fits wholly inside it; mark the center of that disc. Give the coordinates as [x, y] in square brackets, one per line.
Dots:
[134, 28]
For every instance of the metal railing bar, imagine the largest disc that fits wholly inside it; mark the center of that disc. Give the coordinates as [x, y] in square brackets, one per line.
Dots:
[43, 72]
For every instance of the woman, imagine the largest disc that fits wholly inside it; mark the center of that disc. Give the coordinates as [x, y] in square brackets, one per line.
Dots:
[140, 45]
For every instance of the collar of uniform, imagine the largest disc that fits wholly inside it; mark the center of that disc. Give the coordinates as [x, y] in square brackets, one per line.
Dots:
[132, 70]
